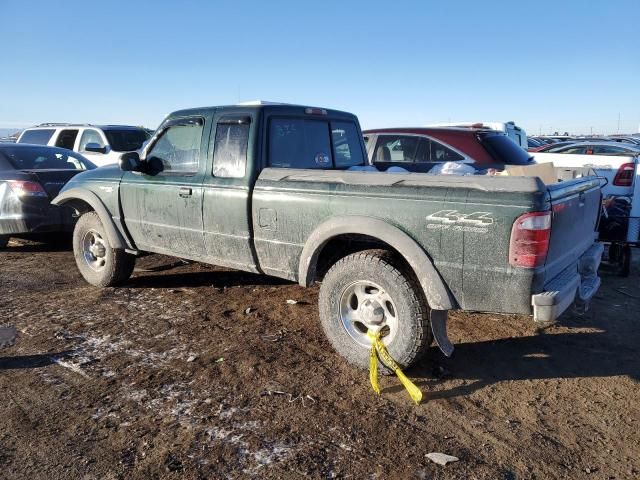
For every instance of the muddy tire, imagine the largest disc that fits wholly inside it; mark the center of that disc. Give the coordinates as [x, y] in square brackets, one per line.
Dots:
[4, 240]
[369, 288]
[99, 263]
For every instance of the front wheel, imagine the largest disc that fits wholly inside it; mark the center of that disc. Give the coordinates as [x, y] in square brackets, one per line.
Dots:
[99, 263]
[368, 290]
[4, 240]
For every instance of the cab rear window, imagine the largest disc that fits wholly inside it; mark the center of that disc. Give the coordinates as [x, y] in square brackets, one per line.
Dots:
[37, 137]
[314, 144]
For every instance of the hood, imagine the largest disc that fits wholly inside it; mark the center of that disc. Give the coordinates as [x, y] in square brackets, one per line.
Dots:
[102, 176]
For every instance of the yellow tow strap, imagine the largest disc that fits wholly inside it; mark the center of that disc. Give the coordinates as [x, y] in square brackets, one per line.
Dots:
[378, 349]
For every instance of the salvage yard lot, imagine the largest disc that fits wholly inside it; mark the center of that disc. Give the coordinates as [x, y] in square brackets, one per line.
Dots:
[200, 372]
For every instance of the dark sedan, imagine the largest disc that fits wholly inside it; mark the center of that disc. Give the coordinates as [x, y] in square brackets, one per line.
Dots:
[30, 176]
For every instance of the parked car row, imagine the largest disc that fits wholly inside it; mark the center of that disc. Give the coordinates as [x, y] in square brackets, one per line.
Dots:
[625, 142]
[30, 177]
[102, 144]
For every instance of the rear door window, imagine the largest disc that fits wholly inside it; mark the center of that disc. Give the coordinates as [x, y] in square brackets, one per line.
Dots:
[37, 137]
[435, 152]
[396, 148]
[230, 147]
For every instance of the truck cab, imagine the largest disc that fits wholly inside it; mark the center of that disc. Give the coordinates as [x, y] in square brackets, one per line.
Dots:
[194, 200]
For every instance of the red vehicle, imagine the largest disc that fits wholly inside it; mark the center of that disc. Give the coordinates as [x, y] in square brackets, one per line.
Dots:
[420, 149]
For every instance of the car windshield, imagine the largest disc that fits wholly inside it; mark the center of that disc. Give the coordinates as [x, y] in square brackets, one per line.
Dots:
[45, 158]
[126, 140]
[504, 150]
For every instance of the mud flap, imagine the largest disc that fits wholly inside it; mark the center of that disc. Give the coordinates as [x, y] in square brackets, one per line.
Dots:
[439, 329]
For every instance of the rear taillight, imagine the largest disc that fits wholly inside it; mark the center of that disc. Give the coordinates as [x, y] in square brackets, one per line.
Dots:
[530, 240]
[25, 188]
[624, 175]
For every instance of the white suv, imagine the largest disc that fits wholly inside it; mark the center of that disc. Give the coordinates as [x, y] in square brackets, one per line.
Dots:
[102, 144]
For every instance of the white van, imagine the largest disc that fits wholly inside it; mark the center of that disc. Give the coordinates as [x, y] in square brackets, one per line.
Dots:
[514, 132]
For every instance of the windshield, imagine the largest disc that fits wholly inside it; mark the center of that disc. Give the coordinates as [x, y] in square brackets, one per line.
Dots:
[126, 140]
[503, 150]
[45, 158]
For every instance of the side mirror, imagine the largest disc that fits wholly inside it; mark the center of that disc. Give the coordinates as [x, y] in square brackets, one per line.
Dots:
[95, 147]
[130, 162]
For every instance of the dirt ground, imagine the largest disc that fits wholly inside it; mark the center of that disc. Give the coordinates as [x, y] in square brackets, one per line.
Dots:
[198, 372]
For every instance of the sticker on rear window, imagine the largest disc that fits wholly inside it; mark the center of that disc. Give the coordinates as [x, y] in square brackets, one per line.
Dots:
[322, 159]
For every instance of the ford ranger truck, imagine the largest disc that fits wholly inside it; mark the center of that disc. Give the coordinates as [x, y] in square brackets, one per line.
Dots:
[266, 188]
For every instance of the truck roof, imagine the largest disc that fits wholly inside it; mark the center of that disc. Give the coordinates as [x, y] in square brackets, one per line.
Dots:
[258, 105]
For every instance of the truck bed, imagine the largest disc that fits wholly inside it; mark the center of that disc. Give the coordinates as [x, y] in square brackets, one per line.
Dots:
[462, 223]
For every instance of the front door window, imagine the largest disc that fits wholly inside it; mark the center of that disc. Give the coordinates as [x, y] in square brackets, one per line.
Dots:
[177, 150]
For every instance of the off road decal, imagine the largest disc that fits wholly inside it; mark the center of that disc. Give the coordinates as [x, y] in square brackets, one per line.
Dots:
[476, 222]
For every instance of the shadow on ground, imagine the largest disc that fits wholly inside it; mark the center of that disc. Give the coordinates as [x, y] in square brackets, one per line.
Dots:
[219, 279]
[29, 361]
[550, 356]
[59, 242]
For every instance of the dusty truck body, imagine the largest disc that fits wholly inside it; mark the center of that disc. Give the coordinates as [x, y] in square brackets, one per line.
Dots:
[266, 188]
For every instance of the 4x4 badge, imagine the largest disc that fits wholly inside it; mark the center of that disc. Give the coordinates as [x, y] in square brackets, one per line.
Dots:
[454, 216]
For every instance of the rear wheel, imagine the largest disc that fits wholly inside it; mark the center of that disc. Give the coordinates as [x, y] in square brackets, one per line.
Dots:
[368, 290]
[4, 240]
[99, 263]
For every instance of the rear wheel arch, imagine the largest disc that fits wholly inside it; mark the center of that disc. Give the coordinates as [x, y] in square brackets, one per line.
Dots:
[84, 201]
[377, 230]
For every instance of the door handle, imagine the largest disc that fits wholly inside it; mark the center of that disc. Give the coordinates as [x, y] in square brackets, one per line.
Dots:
[185, 192]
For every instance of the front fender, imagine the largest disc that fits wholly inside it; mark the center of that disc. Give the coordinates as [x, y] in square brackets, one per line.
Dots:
[77, 197]
[434, 288]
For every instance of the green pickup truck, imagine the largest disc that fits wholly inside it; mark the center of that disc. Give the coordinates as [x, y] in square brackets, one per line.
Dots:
[270, 188]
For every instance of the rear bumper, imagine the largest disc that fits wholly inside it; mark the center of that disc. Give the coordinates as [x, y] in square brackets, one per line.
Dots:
[578, 284]
[36, 219]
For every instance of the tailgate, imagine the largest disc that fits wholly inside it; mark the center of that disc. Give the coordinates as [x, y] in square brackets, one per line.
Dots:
[576, 208]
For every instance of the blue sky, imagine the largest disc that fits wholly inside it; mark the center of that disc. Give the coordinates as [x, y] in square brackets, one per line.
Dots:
[547, 65]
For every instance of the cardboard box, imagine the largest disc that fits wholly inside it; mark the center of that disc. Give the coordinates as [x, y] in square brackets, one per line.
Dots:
[545, 171]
